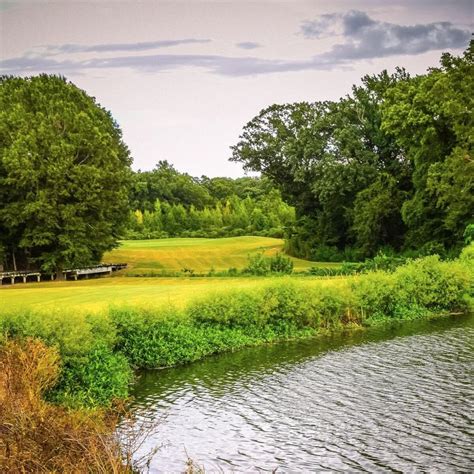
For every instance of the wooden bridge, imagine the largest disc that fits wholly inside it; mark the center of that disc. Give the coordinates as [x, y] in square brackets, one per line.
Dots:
[24, 276]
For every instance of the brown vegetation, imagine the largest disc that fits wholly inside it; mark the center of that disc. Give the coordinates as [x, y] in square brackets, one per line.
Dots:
[37, 436]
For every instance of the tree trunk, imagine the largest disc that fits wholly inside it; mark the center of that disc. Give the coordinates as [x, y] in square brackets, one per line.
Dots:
[14, 261]
[59, 274]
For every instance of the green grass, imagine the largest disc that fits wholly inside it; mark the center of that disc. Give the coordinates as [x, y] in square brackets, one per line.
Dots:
[99, 294]
[200, 255]
[145, 256]
[212, 315]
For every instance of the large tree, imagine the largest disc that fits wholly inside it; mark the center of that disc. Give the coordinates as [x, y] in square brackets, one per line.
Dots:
[64, 175]
[432, 118]
[322, 155]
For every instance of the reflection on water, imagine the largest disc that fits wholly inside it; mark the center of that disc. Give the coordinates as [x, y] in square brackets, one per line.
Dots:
[391, 399]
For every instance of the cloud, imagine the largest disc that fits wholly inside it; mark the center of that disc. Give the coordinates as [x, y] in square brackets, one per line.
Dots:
[362, 38]
[115, 47]
[365, 38]
[222, 65]
[248, 45]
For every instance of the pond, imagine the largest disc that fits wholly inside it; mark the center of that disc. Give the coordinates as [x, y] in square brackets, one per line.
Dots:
[397, 398]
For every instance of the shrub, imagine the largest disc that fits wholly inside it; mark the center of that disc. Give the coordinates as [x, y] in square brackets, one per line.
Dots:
[230, 309]
[95, 378]
[258, 265]
[375, 295]
[37, 436]
[427, 282]
[281, 264]
[91, 373]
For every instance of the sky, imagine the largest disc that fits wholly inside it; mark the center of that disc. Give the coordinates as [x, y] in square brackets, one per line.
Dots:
[182, 78]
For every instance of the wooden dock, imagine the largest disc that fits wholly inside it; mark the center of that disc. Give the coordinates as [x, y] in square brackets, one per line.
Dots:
[26, 276]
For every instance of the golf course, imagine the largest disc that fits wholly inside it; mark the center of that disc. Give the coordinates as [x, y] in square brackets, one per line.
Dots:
[155, 258]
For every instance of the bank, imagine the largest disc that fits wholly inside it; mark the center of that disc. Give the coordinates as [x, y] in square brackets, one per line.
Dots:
[98, 353]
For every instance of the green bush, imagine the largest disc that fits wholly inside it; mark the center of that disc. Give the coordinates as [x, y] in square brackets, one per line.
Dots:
[374, 295]
[91, 372]
[281, 264]
[95, 378]
[258, 265]
[432, 284]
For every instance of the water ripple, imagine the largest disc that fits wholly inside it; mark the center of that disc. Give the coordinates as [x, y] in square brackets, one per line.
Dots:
[390, 404]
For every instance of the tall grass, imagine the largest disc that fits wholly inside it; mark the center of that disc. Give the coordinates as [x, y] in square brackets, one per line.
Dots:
[98, 352]
[37, 436]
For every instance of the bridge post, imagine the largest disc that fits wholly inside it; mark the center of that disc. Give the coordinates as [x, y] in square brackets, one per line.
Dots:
[12, 279]
[24, 278]
[52, 276]
[38, 278]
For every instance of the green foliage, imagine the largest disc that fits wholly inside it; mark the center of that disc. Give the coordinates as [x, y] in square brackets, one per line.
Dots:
[64, 174]
[431, 118]
[266, 216]
[422, 286]
[281, 264]
[389, 165]
[94, 378]
[469, 234]
[97, 351]
[258, 265]
[91, 373]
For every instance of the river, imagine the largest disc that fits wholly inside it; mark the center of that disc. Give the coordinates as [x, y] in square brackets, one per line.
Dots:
[391, 399]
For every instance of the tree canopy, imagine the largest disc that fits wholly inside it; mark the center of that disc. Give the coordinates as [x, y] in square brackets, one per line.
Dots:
[64, 175]
[389, 165]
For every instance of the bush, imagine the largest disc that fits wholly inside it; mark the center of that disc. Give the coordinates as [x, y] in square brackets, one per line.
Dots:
[91, 373]
[281, 264]
[432, 284]
[37, 436]
[375, 295]
[258, 265]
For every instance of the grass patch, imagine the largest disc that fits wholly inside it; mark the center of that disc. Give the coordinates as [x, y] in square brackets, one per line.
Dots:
[98, 294]
[200, 255]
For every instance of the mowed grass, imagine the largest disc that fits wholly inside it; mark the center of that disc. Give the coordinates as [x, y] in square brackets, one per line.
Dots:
[99, 294]
[147, 256]
[199, 255]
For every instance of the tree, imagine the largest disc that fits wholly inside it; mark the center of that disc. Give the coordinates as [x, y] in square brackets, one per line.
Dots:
[64, 175]
[321, 155]
[431, 117]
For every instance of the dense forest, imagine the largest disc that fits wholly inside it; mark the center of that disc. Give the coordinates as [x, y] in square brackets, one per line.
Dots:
[167, 203]
[388, 167]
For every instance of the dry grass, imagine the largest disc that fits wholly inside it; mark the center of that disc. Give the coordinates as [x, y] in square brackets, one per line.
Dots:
[36, 436]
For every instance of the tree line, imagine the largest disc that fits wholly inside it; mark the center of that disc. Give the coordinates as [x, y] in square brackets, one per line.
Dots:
[167, 203]
[387, 167]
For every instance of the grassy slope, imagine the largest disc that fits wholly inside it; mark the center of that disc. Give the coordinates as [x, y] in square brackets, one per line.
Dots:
[199, 255]
[147, 255]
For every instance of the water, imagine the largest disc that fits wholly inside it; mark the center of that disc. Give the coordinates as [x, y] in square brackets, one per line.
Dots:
[387, 400]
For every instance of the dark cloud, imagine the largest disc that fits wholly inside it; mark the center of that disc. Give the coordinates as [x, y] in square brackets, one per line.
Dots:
[115, 47]
[366, 38]
[248, 45]
[322, 27]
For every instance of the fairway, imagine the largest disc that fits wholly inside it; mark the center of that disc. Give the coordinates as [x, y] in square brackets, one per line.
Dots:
[99, 294]
[146, 257]
[155, 256]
